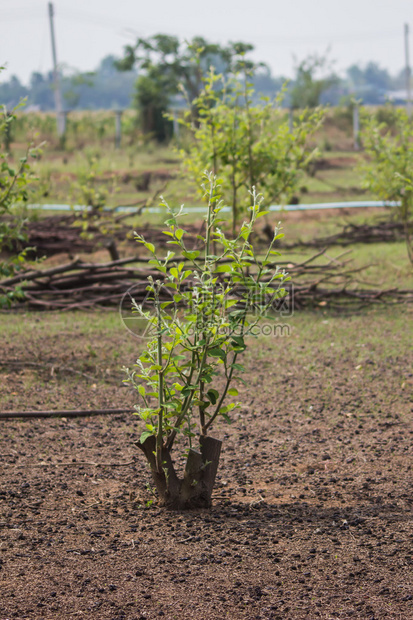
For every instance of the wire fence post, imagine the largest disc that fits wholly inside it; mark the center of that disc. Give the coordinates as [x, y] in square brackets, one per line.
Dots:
[356, 127]
[118, 128]
[291, 120]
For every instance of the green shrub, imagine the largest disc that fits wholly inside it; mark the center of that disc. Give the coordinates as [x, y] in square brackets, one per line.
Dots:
[15, 181]
[247, 144]
[388, 170]
[216, 297]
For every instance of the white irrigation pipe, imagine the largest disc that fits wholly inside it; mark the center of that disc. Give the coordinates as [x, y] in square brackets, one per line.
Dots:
[357, 204]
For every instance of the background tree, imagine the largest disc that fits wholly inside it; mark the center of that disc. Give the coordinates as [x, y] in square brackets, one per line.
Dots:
[108, 89]
[389, 167]
[115, 89]
[166, 65]
[247, 143]
[371, 75]
[311, 82]
[73, 87]
[371, 82]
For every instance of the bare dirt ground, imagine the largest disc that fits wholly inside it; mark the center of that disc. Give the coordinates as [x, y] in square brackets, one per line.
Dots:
[312, 511]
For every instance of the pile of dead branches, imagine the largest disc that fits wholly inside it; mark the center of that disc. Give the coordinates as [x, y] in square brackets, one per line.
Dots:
[67, 234]
[59, 234]
[320, 280]
[381, 232]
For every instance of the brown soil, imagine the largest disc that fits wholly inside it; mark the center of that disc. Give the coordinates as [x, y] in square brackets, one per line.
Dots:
[312, 509]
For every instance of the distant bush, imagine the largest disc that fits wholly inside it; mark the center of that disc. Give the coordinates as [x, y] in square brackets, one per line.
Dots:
[389, 167]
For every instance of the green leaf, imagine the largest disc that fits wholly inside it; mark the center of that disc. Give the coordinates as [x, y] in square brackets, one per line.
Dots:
[201, 403]
[149, 246]
[230, 302]
[188, 389]
[158, 265]
[145, 436]
[239, 341]
[226, 417]
[191, 255]
[226, 268]
[238, 367]
[213, 396]
[179, 233]
[240, 379]
[215, 352]
[232, 392]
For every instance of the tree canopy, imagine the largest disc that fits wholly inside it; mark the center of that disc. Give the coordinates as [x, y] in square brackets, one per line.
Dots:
[313, 77]
[167, 66]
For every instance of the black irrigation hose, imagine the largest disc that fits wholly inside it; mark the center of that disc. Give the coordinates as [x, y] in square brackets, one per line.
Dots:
[74, 413]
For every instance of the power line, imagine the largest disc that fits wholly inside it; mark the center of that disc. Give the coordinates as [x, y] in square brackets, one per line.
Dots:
[362, 36]
[90, 18]
[107, 21]
[24, 16]
[43, 47]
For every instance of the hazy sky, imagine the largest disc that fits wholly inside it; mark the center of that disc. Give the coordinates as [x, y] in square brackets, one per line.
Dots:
[353, 30]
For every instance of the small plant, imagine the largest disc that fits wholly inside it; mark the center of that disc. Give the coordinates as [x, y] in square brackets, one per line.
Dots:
[15, 181]
[389, 167]
[91, 192]
[246, 142]
[309, 85]
[88, 188]
[204, 305]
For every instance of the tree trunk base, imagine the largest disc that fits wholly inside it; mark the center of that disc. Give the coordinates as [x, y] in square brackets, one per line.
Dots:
[195, 489]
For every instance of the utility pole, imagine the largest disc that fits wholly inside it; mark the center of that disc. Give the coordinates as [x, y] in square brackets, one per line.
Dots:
[408, 71]
[57, 93]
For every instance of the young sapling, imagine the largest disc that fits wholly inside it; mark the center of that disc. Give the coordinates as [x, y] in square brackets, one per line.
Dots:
[203, 306]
